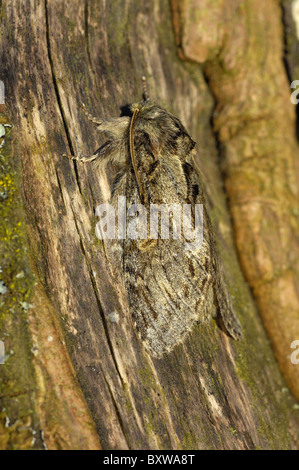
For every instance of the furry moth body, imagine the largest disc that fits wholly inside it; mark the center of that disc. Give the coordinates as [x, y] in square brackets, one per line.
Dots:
[169, 288]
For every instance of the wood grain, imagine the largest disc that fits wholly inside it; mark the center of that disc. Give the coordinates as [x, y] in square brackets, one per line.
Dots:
[210, 392]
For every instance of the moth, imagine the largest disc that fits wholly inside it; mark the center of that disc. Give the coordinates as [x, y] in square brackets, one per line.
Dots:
[169, 288]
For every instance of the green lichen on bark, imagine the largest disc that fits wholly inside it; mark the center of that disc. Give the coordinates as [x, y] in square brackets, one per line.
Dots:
[18, 424]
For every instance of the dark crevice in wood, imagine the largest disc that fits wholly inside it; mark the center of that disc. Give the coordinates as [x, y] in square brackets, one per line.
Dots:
[121, 423]
[55, 85]
[285, 41]
[122, 426]
[86, 34]
[93, 282]
[286, 19]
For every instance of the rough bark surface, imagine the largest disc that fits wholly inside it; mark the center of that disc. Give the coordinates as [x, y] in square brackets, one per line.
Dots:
[255, 124]
[75, 379]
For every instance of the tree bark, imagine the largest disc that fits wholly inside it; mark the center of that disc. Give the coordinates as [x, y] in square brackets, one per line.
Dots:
[73, 379]
[255, 124]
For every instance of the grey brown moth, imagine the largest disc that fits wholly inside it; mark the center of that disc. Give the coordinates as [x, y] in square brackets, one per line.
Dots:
[169, 288]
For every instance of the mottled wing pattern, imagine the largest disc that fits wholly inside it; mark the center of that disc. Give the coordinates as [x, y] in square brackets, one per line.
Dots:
[226, 315]
[169, 288]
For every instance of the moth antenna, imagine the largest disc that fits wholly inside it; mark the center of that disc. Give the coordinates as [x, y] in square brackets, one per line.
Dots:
[89, 116]
[132, 153]
[145, 89]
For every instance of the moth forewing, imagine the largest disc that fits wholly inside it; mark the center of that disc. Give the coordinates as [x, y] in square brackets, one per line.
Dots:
[169, 287]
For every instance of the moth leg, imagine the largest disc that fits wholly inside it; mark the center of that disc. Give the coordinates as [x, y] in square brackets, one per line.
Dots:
[113, 152]
[89, 116]
[101, 153]
[81, 159]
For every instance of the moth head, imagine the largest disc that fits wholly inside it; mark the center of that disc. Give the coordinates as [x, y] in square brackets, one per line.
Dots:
[142, 105]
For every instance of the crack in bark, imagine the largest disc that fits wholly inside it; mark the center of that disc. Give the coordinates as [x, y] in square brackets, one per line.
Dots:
[93, 282]
[286, 58]
[122, 426]
[86, 34]
[106, 333]
[60, 105]
[56, 90]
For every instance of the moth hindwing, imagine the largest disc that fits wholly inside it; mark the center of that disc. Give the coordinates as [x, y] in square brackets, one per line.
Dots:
[171, 283]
